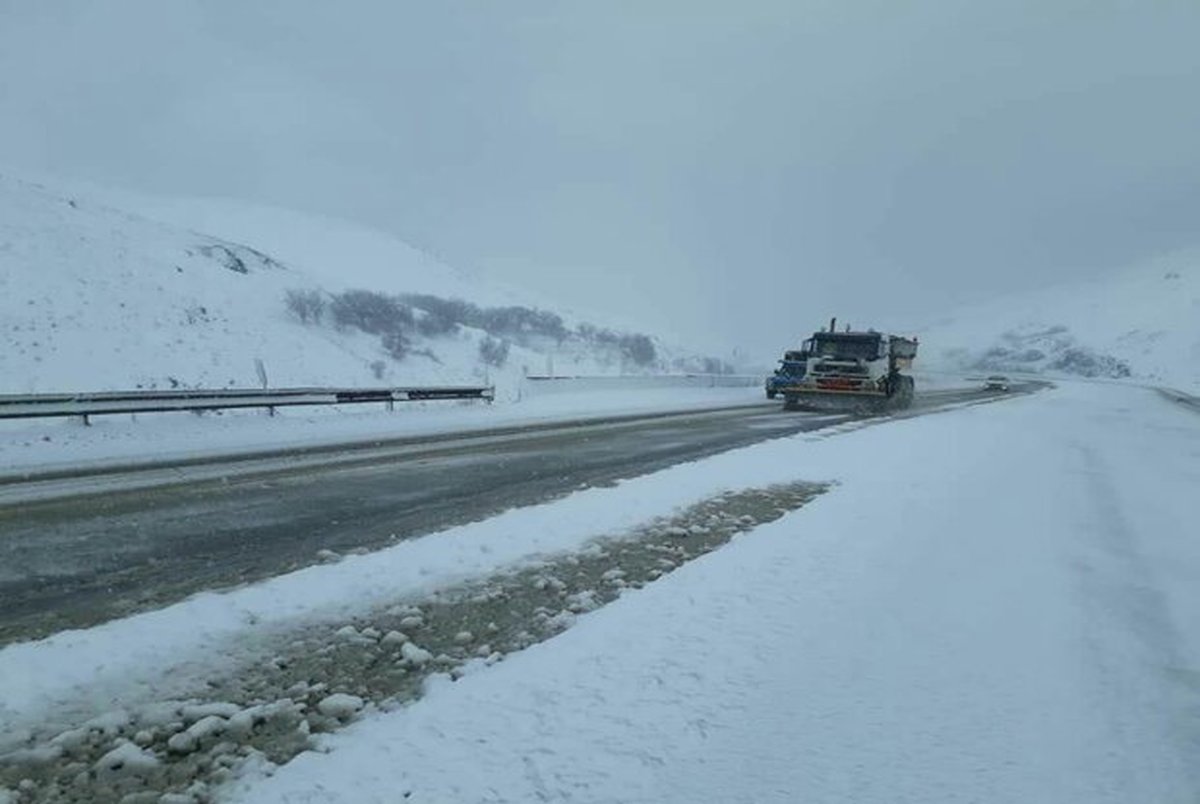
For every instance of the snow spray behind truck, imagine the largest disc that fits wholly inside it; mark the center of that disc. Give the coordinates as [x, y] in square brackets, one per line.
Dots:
[854, 371]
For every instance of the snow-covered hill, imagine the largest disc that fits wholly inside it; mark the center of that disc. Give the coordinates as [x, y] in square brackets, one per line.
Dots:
[1142, 324]
[95, 297]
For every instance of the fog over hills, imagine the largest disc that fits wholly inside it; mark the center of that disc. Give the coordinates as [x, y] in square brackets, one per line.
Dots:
[728, 174]
[97, 297]
[1140, 324]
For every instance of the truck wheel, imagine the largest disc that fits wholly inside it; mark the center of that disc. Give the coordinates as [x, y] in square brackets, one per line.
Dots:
[772, 394]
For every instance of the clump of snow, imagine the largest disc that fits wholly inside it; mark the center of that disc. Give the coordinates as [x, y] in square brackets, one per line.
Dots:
[35, 756]
[414, 655]
[207, 727]
[393, 639]
[246, 720]
[71, 740]
[560, 621]
[194, 712]
[549, 582]
[412, 621]
[182, 743]
[109, 723]
[581, 602]
[127, 759]
[340, 705]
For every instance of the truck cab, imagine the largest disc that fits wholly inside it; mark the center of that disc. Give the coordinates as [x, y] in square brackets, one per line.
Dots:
[792, 369]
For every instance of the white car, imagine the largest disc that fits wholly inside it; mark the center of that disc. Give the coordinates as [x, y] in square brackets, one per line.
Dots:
[996, 382]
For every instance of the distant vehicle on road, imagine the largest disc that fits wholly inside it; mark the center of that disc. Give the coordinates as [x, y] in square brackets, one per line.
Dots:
[996, 382]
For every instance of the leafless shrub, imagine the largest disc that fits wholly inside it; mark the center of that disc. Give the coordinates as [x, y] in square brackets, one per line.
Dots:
[639, 348]
[433, 323]
[306, 305]
[493, 352]
[396, 344]
[371, 312]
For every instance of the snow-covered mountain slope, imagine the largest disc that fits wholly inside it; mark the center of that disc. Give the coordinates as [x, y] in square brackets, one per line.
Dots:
[94, 297]
[336, 253]
[1142, 324]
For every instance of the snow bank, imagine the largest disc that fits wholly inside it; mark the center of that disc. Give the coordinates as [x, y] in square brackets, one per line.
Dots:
[1010, 617]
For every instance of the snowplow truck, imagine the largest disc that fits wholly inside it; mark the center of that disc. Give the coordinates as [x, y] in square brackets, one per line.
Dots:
[854, 372]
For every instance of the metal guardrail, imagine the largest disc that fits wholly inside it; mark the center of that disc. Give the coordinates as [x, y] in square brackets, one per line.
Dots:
[30, 406]
[1179, 397]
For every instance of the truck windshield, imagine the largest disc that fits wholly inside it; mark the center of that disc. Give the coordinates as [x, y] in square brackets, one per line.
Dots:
[866, 348]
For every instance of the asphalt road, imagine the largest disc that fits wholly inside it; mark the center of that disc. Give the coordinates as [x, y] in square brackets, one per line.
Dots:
[89, 553]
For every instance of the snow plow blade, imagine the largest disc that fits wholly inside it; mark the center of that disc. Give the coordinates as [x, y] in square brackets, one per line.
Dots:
[837, 402]
[859, 403]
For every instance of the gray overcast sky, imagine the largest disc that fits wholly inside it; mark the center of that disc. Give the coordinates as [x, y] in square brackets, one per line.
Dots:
[730, 172]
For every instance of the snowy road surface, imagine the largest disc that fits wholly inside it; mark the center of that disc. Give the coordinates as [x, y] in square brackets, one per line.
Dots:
[997, 604]
[78, 561]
